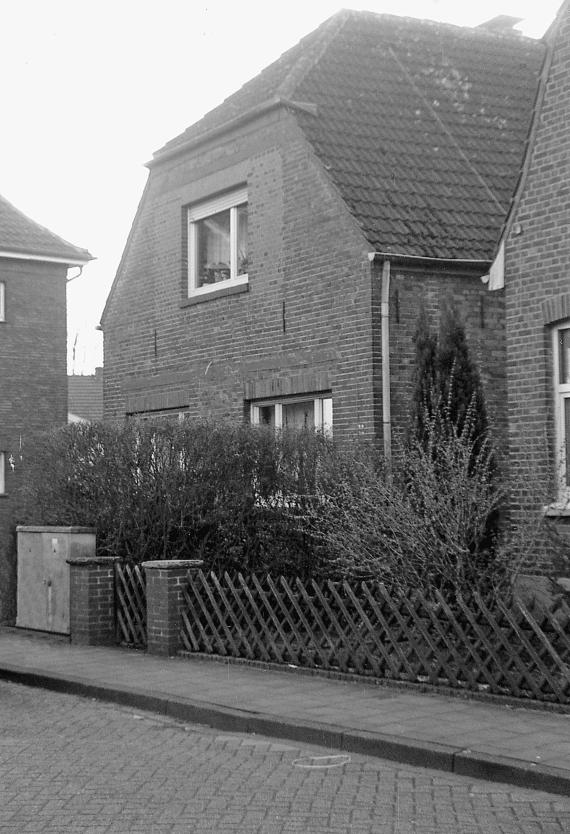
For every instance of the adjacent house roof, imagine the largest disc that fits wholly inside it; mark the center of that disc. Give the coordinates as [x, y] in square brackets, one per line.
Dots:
[22, 237]
[420, 125]
[85, 397]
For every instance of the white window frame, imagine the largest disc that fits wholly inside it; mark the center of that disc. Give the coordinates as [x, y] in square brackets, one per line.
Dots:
[198, 212]
[323, 411]
[2, 473]
[2, 301]
[561, 394]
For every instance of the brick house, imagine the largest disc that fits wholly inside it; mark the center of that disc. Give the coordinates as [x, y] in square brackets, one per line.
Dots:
[33, 373]
[284, 244]
[536, 260]
[85, 397]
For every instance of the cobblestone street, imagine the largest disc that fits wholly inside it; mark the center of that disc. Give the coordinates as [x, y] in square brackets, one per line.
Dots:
[74, 765]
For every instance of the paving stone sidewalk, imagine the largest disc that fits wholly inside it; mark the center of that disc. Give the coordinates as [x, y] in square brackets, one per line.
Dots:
[486, 740]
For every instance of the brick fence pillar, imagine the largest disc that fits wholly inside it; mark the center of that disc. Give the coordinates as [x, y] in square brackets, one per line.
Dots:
[165, 581]
[92, 600]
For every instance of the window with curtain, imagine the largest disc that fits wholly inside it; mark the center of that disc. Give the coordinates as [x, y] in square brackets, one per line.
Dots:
[217, 243]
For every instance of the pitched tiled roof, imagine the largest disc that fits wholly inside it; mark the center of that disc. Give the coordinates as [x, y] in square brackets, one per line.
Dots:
[22, 236]
[420, 125]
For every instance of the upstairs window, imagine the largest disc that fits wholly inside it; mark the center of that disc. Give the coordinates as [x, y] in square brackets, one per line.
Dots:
[314, 413]
[561, 353]
[2, 473]
[2, 301]
[217, 243]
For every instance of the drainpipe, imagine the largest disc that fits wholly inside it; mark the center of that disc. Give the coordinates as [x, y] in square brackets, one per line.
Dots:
[385, 325]
[385, 321]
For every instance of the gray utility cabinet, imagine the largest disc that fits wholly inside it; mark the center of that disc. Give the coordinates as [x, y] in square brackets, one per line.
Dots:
[43, 574]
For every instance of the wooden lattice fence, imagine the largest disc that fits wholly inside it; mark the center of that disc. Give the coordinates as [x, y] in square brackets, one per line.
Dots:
[130, 599]
[361, 629]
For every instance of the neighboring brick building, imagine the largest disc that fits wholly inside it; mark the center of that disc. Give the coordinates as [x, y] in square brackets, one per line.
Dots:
[33, 373]
[378, 153]
[537, 288]
[85, 397]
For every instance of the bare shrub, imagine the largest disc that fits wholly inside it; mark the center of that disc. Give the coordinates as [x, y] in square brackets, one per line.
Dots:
[230, 494]
[425, 523]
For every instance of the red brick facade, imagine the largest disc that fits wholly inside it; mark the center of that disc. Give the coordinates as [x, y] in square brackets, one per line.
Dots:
[483, 316]
[301, 326]
[33, 382]
[309, 320]
[92, 600]
[537, 282]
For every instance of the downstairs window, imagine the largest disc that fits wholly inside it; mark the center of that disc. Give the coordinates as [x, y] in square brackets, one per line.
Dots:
[561, 362]
[295, 413]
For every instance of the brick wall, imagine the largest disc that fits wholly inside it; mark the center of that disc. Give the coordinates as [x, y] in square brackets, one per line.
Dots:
[537, 281]
[33, 382]
[306, 323]
[482, 314]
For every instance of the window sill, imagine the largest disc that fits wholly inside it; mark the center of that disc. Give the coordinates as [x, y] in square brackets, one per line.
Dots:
[558, 509]
[222, 292]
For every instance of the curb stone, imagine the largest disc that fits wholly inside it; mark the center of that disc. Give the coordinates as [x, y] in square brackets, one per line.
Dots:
[394, 748]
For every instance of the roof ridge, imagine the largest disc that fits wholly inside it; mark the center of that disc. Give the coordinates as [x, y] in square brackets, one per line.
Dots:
[477, 30]
[327, 32]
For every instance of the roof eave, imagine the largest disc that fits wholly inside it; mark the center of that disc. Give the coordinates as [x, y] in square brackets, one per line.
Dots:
[423, 260]
[232, 124]
[78, 260]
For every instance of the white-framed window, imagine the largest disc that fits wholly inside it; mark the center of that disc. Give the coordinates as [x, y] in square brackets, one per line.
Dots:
[295, 413]
[561, 355]
[217, 243]
[2, 301]
[2, 473]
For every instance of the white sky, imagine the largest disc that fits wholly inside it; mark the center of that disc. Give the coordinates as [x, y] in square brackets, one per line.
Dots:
[92, 87]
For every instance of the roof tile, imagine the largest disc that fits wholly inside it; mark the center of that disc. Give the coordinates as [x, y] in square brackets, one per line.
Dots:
[19, 234]
[416, 121]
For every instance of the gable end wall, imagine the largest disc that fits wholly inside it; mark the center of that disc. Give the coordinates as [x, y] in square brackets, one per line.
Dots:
[304, 325]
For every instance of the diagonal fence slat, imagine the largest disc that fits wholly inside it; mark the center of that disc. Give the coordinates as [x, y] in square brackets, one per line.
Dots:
[288, 624]
[265, 638]
[272, 627]
[458, 636]
[505, 636]
[464, 643]
[544, 643]
[130, 604]
[197, 629]
[401, 669]
[548, 679]
[379, 656]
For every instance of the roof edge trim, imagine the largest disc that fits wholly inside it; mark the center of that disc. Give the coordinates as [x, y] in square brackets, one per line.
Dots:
[122, 262]
[549, 40]
[25, 256]
[398, 257]
[226, 127]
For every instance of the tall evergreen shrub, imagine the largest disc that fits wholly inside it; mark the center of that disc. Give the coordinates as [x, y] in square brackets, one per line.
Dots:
[449, 407]
[448, 391]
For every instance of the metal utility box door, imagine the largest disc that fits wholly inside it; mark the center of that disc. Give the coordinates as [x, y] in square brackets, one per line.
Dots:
[43, 574]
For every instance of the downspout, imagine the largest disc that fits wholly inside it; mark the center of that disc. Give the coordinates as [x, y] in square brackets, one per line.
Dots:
[385, 322]
[385, 326]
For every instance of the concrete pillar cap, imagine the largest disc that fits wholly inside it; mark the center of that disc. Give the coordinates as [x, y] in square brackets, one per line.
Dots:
[50, 529]
[171, 564]
[92, 560]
